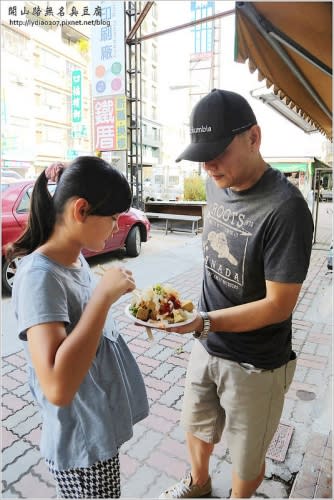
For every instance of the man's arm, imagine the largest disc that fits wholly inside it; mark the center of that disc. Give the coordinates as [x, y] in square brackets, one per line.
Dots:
[276, 307]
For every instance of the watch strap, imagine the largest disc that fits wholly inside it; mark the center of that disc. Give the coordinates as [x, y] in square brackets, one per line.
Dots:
[206, 326]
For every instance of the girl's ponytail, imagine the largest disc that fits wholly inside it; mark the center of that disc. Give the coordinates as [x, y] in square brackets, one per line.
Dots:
[40, 223]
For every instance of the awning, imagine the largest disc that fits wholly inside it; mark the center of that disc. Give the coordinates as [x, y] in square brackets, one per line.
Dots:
[290, 44]
[297, 166]
[290, 167]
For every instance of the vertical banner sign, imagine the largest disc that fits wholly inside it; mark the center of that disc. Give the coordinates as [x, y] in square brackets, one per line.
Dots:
[108, 51]
[76, 96]
[108, 78]
[110, 123]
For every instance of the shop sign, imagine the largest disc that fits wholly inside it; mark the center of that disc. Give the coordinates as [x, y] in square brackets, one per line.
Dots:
[108, 51]
[76, 96]
[110, 131]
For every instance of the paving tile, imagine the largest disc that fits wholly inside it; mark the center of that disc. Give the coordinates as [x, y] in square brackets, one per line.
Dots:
[144, 360]
[34, 487]
[142, 449]
[16, 359]
[158, 423]
[178, 361]
[145, 369]
[166, 412]
[153, 394]
[8, 438]
[135, 349]
[160, 385]
[41, 470]
[174, 449]
[175, 374]
[170, 397]
[20, 416]
[34, 436]
[128, 465]
[324, 486]
[20, 375]
[13, 402]
[163, 462]
[17, 449]
[140, 482]
[21, 466]
[10, 383]
[316, 444]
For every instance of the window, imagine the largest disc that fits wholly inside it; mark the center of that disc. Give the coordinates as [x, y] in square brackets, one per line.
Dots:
[25, 202]
[50, 134]
[158, 179]
[173, 180]
[15, 44]
[155, 152]
[50, 64]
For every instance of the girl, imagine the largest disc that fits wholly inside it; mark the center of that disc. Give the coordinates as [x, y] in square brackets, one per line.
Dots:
[81, 372]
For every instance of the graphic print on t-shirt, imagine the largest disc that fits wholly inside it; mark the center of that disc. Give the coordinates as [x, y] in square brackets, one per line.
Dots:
[225, 249]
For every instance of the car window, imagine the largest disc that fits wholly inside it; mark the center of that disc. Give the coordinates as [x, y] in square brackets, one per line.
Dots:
[25, 202]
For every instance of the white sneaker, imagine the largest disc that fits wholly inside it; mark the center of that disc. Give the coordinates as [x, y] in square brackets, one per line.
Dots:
[186, 489]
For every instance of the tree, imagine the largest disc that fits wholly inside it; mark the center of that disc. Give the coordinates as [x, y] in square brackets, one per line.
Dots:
[194, 188]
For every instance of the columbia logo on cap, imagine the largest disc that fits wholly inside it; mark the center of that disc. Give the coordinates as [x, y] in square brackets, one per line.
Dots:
[200, 130]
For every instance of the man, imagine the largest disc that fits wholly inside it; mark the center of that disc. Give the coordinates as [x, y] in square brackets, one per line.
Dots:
[257, 240]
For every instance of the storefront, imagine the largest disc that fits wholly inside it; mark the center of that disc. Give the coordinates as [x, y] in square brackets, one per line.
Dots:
[301, 172]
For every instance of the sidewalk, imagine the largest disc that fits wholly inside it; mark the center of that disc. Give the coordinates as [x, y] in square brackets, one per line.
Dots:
[156, 455]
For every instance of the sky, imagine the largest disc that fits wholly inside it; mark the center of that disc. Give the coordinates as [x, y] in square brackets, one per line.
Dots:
[280, 138]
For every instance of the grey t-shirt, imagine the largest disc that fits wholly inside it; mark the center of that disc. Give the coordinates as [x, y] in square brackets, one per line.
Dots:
[112, 396]
[263, 233]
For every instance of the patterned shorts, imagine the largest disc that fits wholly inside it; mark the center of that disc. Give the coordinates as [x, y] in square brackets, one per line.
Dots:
[101, 480]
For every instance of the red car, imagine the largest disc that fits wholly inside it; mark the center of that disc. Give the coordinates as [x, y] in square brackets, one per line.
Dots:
[134, 226]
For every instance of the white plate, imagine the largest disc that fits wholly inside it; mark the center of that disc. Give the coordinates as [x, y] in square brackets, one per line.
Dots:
[160, 323]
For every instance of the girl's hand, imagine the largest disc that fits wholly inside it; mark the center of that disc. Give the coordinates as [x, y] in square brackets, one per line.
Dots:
[116, 281]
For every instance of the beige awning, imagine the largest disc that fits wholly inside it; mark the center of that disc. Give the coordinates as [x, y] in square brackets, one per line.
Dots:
[290, 44]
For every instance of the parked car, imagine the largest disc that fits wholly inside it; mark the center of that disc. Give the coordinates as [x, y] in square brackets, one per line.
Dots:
[10, 173]
[134, 227]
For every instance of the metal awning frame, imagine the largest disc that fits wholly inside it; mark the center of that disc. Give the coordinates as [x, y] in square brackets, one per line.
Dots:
[173, 28]
[271, 35]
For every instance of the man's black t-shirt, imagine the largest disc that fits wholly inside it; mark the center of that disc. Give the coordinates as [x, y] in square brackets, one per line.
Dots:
[262, 233]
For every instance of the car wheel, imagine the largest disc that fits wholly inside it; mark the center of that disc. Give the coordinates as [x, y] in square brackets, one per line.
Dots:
[133, 242]
[8, 272]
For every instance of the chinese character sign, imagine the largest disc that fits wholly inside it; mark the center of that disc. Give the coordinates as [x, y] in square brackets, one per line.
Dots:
[76, 96]
[110, 123]
[108, 51]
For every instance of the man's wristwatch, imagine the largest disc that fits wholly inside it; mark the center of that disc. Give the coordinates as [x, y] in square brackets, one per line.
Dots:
[206, 326]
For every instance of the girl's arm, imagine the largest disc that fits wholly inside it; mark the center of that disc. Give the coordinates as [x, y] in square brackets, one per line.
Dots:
[61, 361]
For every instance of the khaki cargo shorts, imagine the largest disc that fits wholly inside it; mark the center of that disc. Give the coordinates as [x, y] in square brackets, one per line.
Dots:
[223, 395]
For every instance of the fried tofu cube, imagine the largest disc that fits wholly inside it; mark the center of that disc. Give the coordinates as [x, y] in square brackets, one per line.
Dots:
[187, 305]
[142, 313]
[179, 316]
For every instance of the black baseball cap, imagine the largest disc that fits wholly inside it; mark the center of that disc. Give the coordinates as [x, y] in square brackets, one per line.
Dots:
[214, 122]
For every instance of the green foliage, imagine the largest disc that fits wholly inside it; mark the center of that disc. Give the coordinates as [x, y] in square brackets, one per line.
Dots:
[194, 188]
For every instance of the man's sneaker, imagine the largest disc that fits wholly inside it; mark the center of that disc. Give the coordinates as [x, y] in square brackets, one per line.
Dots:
[186, 489]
